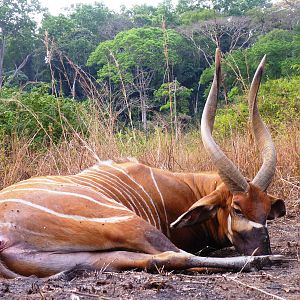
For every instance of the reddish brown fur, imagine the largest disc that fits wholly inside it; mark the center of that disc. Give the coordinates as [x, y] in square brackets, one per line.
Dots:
[39, 242]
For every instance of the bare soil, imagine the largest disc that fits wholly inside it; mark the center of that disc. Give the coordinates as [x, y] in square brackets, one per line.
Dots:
[276, 282]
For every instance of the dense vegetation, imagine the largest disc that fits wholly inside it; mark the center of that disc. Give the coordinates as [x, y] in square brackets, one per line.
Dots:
[144, 66]
[134, 57]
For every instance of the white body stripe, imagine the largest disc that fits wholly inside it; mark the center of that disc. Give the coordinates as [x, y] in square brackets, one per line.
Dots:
[126, 188]
[55, 183]
[107, 185]
[85, 178]
[86, 182]
[119, 207]
[71, 217]
[142, 188]
[120, 189]
[162, 201]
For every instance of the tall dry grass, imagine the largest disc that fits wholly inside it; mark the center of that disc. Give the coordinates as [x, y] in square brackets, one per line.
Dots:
[18, 160]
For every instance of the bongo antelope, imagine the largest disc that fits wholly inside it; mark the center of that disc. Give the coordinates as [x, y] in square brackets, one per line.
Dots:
[117, 216]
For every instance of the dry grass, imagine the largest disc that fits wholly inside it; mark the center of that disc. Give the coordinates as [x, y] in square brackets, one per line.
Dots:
[19, 161]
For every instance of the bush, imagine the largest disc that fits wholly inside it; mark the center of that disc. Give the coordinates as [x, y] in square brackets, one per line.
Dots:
[279, 106]
[281, 101]
[38, 114]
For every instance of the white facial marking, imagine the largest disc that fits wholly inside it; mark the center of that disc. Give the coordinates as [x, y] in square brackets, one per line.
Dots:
[256, 225]
[243, 224]
[229, 230]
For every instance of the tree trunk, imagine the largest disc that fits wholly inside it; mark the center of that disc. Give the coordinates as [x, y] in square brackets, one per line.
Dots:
[73, 90]
[2, 50]
[175, 109]
[18, 69]
[142, 95]
[144, 112]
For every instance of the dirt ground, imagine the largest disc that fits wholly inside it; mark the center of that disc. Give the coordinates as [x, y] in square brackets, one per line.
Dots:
[276, 282]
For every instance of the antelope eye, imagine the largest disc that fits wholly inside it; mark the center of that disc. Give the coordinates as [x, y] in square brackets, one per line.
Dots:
[237, 211]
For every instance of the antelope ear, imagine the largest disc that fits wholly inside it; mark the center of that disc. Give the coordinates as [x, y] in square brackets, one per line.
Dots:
[277, 208]
[200, 211]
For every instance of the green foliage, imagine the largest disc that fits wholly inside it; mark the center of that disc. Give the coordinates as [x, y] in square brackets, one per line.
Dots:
[142, 15]
[171, 90]
[187, 5]
[233, 94]
[166, 11]
[17, 32]
[238, 7]
[17, 14]
[148, 15]
[141, 48]
[91, 17]
[12, 81]
[280, 102]
[40, 115]
[18, 47]
[138, 55]
[76, 42]
[279, 106]
[231, 119]
[193, 16]
[282, 48]
[58, 27]
[207, 75]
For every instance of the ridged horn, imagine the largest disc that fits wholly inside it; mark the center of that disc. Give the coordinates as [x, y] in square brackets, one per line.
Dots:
[229, 173]
[261, 134]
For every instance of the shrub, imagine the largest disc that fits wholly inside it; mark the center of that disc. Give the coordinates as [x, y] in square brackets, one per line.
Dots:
[38, 114]
[279, 106]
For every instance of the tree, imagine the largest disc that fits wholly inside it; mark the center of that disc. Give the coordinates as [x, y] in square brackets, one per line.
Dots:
[136, 60]
[141, 15]
[74, 40]
[282, 48]
[20, 52]
[178, 94]
[99, 20]
[148, 15]
[238, 7]
[187, 5]
[58, 27]
[73, 37]
[226, 33]
[282, 15]
[16, 16]
[198, 15]
[91, 17]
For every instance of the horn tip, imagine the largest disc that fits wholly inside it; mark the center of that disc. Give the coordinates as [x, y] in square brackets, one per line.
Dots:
[218, 63]
[218, 56]
[263, 61]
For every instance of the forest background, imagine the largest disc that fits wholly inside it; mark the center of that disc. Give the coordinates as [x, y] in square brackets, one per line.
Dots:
[93, 84]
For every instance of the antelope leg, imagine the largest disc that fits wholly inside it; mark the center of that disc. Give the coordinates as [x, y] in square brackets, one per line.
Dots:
[44, 264]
